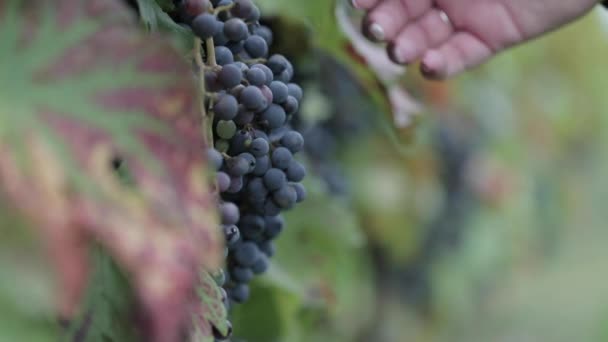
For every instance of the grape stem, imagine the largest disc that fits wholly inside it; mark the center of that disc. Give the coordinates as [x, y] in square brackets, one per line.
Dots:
[253, 61]
[217, 10]
[210, 46]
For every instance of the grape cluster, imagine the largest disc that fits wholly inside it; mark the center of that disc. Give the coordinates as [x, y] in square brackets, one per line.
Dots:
[251, 99]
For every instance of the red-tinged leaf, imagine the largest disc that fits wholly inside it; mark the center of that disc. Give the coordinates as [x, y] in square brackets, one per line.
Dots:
[79, 86]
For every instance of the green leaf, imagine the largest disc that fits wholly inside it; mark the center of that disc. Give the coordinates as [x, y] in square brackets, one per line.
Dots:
[166, 5]
[153, 15]
[211, 313]
[109, 308]
[81, 86]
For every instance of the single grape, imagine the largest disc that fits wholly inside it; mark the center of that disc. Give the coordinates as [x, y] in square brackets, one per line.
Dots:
[241, 274]
[229, 213]
[281, 158]
[295, 91]
[291, 106]
[189, 9]
[256, 77]
[250, 160]
[300, 192]
[267, 93]
[223, 55]
[266, 70]
[242, 8]
[293, 141]
[296, 171]
[246, 254]
[255, 14]
[277, 63]
[260, 266]
[285, 197]
[279, 92]
[262, 165]
[232, 235]
[253, 99]
[265, 33]
[273, 226]
[225, 129]
[259, 147]
[239, 293]
[223, 181]
[274, 116]
[274, 179]
[256, 47]
[230, 76]
[226, 107]
[235, 29]
[205, 26]
[240, 142]
[237, 166]
[215, 159]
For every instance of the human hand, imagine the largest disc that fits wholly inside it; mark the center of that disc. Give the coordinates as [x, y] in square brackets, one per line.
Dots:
[450, 36]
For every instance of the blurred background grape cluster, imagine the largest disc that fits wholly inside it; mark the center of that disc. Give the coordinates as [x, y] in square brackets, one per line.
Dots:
[468, 210]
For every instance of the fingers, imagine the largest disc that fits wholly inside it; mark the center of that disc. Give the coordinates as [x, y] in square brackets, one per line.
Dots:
[364, 4]
[428, 32]
[461, 52]
[388, 17]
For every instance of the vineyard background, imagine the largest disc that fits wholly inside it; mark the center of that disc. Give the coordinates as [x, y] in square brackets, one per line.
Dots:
[484, 219]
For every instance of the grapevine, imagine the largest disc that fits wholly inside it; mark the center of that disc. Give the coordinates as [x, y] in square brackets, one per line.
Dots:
[248, 102]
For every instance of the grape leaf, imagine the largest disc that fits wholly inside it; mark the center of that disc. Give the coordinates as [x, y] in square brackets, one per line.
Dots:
[80, 87]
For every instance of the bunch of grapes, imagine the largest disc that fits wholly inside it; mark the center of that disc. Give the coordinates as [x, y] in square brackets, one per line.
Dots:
[251, 101]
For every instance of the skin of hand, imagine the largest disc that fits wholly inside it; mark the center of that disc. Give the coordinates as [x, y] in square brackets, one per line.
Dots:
[475, 31]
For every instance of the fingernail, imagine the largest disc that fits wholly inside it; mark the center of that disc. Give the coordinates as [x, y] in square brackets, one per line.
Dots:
[431, 63]
[425, 69]
[376, 31]
[403, 53]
